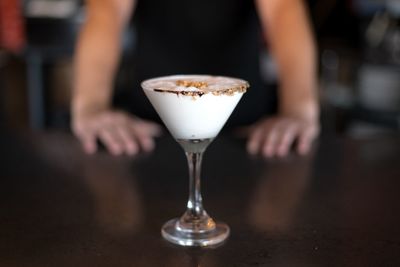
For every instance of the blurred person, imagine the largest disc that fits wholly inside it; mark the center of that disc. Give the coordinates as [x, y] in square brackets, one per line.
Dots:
[217, 37]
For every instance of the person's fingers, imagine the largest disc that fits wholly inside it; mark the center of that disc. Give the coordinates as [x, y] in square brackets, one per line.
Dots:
[285, 140]
[86, 137]
[112, 141]
[275, 136]
[89, 144]
[255, 140]
[146, 142]
[269, 147]
[143, 137]
[305, 140]
[147, 128]
[145, 131]
[129, 144]
[155, 129]
[88, 141]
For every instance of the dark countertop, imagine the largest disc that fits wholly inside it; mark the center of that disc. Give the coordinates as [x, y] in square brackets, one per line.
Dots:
[339, 206]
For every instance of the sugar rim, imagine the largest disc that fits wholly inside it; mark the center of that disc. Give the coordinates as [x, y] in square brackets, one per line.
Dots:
[241, 86]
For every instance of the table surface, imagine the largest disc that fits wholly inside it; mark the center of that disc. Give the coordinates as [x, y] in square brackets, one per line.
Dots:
[339, 206]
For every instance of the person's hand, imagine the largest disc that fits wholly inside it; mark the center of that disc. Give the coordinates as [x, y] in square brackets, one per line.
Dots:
[119, 132]
[275, 136]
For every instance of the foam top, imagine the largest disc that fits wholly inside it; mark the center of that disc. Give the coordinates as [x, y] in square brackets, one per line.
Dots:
[196, 85]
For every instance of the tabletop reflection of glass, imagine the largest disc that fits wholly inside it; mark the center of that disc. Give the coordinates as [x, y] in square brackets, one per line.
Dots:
[194, 108]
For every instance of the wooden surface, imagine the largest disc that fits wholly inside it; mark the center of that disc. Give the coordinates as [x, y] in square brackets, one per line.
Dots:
[340, 206]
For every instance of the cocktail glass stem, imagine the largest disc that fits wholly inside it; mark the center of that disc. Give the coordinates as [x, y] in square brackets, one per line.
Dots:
[195, 219]
[195, 204]
[195, 227]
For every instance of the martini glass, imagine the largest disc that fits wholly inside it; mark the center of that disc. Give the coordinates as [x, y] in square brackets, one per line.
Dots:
[194, 108]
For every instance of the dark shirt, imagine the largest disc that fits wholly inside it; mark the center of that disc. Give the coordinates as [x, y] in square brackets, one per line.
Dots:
[217, 37]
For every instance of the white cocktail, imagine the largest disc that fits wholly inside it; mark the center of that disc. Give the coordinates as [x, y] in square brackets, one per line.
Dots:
[194, 108]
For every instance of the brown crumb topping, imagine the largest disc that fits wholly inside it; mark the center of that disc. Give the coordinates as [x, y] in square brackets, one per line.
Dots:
[185, 93]
[199, 85]
[228, 91]
[231, 91]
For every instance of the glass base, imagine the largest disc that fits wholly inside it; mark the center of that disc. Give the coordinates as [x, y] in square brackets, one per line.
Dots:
[171, 232]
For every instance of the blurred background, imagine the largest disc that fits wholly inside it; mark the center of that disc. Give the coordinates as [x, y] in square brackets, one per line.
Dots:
[359, 63]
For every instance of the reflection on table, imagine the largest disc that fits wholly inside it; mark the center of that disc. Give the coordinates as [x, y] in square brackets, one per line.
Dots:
[337, 207]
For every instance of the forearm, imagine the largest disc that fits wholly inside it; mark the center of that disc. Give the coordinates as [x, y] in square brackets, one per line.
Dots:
[292, 44]
[96, 59]
[94, 66]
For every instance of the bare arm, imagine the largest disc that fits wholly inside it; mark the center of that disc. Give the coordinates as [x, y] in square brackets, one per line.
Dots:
[285, 22]
[97, 56]
[97, 53]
